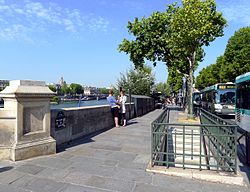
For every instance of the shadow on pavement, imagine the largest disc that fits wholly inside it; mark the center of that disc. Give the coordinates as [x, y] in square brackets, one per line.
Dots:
[83, 140]
[3, 169]
[244, 168]
[86, 138]
[131, 123]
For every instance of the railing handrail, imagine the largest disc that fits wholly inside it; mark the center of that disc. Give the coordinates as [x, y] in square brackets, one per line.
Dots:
[215, 116]
[185, 124]
[218, 138]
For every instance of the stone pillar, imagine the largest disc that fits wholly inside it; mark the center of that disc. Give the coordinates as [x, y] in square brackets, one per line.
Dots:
[25, 121]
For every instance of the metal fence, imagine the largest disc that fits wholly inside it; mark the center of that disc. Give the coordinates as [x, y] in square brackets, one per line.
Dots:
[202, 146]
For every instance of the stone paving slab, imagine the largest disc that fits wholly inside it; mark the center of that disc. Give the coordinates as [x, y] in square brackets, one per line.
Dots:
[8, 188]
[111, 161]
[78, 188]
[42, 185]
[111, 184]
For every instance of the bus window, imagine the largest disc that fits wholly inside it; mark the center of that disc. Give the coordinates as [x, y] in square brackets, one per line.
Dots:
[227, 98]
[243, 96]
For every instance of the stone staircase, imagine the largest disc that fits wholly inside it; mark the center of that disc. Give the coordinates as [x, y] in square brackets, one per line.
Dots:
[188, 145]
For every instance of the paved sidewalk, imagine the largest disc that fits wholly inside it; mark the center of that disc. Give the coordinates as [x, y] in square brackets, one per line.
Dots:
[114, 160]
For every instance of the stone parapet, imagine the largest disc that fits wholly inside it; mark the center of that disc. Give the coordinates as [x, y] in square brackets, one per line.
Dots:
[25, 120]
[73, 123]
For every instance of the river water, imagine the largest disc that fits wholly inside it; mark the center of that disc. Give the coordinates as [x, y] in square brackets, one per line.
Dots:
[69, 104]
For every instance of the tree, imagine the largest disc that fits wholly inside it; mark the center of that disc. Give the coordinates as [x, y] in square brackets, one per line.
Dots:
[210, 75]
[175, 37]
[233, 63]
[104, 91]
[174, 80]
[163, 88]
[65, 89]
[75, 88]
[52, 88]
[138, 81]
[236, 56]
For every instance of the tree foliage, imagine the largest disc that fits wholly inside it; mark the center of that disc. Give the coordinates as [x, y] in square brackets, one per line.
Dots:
[174, 80]
[237, 55]
[104, 90]
[139, 81]
[76, 88]
[210, 75]
[52, 88]
[233, 63]
[65, 89]
[163, 88]
[175, 37]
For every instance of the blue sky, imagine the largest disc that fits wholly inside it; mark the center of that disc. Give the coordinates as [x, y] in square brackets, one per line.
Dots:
[78, 39]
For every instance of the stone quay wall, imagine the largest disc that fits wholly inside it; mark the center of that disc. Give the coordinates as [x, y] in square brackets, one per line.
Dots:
[143, 104]
[73, 123]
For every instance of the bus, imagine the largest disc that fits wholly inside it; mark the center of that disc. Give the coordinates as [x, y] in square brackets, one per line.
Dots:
[219, 98]
[242, 116]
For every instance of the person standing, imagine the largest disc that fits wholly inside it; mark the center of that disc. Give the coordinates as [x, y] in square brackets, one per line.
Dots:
[113, 103]
[122, 101]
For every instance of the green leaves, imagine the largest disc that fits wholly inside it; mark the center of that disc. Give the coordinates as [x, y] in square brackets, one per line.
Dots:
[139, 81]
[151, 39]
[233, 63]
[76, 88]
[237, 55]
[196, 24]
[175, 37]
[52, 88]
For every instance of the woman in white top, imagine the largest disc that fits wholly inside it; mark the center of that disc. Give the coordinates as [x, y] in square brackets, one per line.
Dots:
[122, 101]
[114, 107]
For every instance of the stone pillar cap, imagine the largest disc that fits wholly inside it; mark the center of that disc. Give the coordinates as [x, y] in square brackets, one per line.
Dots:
[26, 88]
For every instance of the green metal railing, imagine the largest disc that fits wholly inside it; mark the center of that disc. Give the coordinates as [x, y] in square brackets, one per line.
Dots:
[210, 118]
[159, 140]
[203, 146]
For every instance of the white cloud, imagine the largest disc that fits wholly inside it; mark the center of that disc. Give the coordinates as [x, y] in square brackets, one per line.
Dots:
[13, 32]
[98, 24]
[28, 18]
[69, 25]
[236, 11]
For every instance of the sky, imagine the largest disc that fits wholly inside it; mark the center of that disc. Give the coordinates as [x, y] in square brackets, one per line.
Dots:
[78, 39]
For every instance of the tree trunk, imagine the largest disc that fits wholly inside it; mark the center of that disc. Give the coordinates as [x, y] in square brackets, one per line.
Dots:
[190, 81]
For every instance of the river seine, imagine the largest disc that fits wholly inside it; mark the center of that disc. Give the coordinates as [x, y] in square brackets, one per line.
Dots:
[68, 104]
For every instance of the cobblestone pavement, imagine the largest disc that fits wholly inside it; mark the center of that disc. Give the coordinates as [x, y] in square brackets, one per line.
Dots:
[114, 160]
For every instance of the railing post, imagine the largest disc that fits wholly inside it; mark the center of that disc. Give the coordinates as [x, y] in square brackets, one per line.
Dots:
[167, 148]
[175, 143]
[183, 158]
[192, 142]
[152, 143]
[200, 147]
[235, 151]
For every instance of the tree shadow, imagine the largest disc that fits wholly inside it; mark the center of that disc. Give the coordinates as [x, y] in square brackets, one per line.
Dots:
[85, 139]
[7, 168]
[244, 168]
[131, 123]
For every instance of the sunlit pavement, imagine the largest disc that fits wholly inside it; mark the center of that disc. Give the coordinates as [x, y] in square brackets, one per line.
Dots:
[114, 160]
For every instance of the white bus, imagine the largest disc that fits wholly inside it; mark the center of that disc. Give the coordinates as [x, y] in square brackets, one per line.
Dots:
[242, 116]
[219, 98]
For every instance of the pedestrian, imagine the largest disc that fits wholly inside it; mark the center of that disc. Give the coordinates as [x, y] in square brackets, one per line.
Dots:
[114, 104]
[168, 101]
[122, 101]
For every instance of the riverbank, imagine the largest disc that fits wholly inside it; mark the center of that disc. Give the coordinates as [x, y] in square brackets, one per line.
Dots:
[70, 104]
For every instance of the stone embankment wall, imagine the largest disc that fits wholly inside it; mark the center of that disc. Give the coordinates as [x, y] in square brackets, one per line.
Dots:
[143, 104]
[73, 123]
[78, 122]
